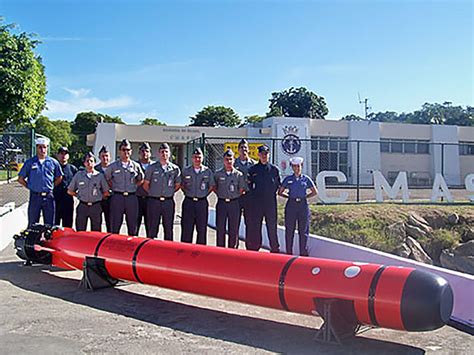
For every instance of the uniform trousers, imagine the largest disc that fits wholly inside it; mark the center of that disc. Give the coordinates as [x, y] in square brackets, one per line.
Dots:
[157, 211]
[64, 209]
[296, 212]
[244, 204]
[263, 209]
[105, 204]
[120, 205]
[92, 212]
[142, 212]
[227, 214]
[40, 203]
[194, 213]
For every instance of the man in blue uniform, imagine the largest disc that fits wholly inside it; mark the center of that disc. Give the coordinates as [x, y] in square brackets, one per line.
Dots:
[296, 209]
[243, 164]
[197, 182]
[104, 157]
[39, 175]
[144, 161]
[264, 181]
[64, 201]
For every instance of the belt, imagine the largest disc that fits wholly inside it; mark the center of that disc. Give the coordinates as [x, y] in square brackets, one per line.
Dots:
[228, 199]
[42, 194]
[298, 199]
[124, 193]
[89, 203]
[161, 198]
[196, 198]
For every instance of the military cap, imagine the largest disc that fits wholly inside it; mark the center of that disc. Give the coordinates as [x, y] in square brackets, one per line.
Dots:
[145, 145]
[263, 149]
[104, 149]
[243, 141]
[42, 141]
[125, 143]
[228, 153]
[63, 150]
[88, 156]
[164, 146]
[296, 160]
[197, 151]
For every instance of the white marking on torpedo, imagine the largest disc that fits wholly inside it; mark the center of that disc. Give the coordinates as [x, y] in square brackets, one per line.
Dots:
[351, 271]
[315, 270]
[358, 263]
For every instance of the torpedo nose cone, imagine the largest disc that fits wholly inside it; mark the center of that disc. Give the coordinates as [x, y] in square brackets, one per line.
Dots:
[427, 301]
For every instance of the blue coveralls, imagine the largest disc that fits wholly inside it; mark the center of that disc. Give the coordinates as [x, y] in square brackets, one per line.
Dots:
[64, 202]
[297, 210]
[40, 181]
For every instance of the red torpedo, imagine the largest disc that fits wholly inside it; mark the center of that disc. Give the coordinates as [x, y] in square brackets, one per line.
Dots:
[355, 293]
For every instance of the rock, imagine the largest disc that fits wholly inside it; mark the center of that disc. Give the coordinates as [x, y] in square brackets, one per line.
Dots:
[396, 231]
[453, 219]
[465, 249]
[416, 220]
[417, 252]
[459, 263]
[403, 250]
[467, 234]
[415, 232]
[436, 221]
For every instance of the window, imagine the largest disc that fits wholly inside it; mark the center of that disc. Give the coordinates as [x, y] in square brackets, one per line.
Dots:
[404, 146]
[466, 148]
[329, 153]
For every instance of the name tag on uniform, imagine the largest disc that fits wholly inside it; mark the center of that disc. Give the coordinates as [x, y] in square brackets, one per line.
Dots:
[117, 171]
[34, 166]
[156, 172]
[222, 178]
[82, 183]
[290, 182]
[187, 176]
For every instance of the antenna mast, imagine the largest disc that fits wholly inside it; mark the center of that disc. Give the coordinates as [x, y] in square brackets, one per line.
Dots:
[366, 106]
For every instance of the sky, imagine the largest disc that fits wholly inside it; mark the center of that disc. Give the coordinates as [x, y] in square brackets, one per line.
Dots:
[169, 59]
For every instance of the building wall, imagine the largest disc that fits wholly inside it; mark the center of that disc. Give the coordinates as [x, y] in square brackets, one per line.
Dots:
[417, 166]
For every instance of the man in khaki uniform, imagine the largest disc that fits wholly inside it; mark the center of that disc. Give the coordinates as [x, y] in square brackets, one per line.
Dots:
[229, 185]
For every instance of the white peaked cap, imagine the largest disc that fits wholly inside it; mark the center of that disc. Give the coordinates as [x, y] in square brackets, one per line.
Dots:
[296, 160]
[42, 141]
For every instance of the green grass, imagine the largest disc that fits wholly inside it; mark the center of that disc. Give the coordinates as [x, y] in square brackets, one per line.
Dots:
[3, 174]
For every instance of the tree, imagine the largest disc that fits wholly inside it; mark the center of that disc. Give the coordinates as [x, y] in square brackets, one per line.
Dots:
[297, 102]
[253, 119]
[59, 132]
[86, 123]
[152, 122]
[22, 78]
[216, 116]
[352, 117]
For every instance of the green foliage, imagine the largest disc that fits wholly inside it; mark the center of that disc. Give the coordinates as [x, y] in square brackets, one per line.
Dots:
[216, 116]
[352, 117]
[22, 78]
[297, 102]
[152, 122]
[253, 119]
[59, 132]
[86, 123]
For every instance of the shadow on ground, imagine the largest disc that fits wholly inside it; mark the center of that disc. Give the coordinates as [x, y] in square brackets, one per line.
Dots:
[258, 333]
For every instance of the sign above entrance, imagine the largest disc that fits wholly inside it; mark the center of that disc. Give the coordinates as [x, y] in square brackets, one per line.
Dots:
[253, 149]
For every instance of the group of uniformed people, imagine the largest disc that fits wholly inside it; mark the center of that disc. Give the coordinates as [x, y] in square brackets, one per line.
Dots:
[145, 189]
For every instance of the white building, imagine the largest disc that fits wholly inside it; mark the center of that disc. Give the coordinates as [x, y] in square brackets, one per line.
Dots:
[354, 147]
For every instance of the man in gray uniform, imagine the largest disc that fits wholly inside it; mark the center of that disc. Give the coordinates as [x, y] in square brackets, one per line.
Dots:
[104, 156]
[243, 164]
[144, 161]
[123, 176]
[89, 186]
[196, 183]
[229, 185]
[162, 180]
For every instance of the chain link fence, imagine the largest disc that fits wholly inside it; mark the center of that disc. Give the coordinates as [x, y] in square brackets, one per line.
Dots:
[359, 163]
[15, 148]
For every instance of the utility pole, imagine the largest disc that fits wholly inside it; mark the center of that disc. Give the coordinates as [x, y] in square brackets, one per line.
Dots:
[366, 106]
